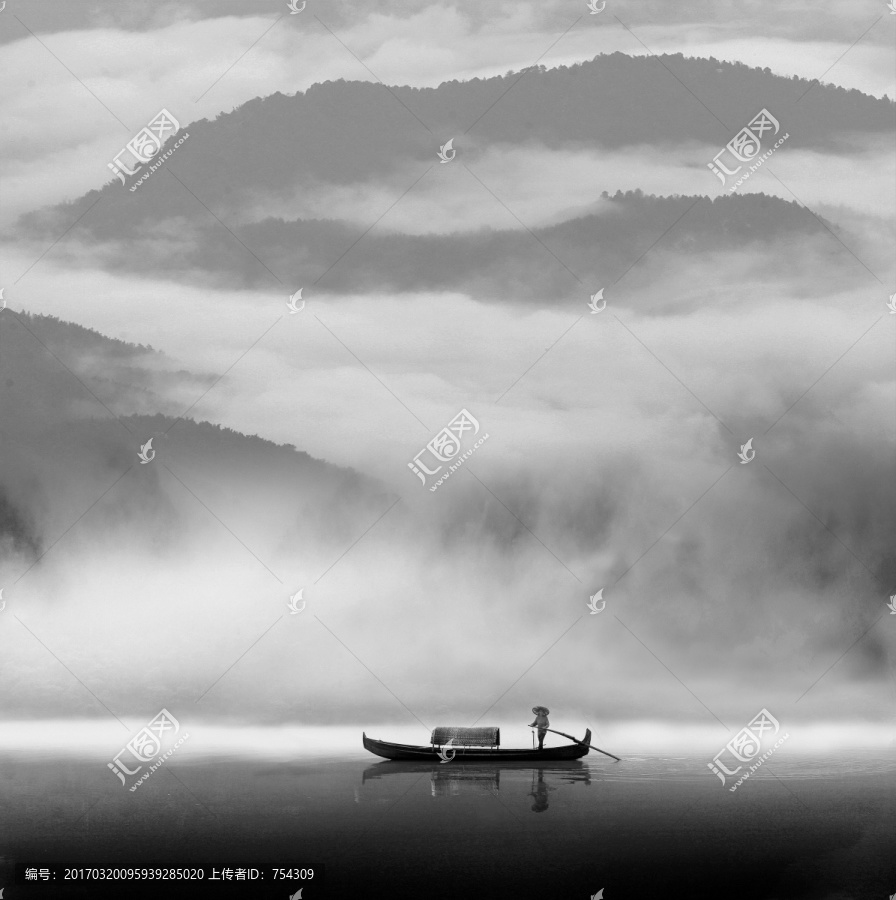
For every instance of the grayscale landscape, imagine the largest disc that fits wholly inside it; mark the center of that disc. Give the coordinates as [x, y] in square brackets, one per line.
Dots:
[434, 363]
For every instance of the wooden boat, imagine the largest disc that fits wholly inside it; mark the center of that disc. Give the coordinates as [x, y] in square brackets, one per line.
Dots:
[471, 744]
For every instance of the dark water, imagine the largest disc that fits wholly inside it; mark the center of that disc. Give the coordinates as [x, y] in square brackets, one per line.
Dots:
[819, 828]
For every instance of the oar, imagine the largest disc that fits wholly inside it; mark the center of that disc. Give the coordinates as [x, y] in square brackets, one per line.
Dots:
[577, 741]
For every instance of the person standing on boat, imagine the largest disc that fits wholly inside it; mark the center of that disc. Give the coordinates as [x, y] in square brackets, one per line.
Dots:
[541, 722]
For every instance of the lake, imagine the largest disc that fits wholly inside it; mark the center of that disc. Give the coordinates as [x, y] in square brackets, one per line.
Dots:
[816, 827]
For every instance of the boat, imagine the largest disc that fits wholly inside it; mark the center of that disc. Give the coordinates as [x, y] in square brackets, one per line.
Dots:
[472, 744]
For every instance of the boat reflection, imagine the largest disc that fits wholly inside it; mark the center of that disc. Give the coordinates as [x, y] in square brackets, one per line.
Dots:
[454, 779]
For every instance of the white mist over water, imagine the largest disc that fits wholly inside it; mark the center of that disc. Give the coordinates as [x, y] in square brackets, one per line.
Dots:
[87, 738]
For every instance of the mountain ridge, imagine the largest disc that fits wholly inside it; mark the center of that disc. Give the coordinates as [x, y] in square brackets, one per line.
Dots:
[372, 131]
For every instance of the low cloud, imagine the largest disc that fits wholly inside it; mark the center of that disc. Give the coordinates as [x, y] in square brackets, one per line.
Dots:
[612, 468]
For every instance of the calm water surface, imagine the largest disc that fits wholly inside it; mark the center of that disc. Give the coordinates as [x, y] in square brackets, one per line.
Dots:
[817, 827]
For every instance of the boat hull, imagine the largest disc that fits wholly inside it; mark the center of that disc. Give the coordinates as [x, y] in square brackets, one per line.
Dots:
[427, 754]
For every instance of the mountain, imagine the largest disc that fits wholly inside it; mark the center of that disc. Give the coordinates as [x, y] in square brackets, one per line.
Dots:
[75, 412]
[347, 132]
[218, 210]
[588, 252]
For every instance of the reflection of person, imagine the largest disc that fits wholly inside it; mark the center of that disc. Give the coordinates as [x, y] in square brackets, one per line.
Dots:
[541, 722]
[540, 793]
